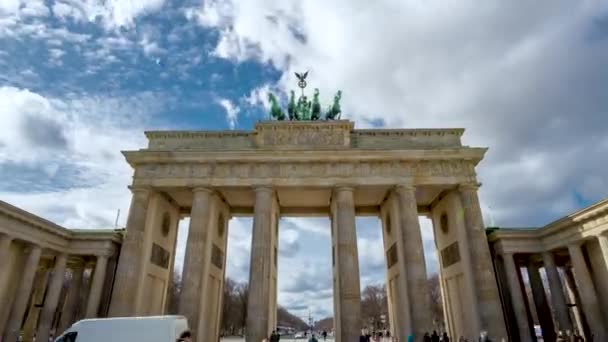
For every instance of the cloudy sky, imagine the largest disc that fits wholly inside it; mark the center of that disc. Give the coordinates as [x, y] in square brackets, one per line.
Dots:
[81, 80]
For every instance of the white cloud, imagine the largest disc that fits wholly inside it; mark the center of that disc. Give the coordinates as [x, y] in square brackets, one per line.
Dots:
[64, 11]
[232, 111]
[9, 6]
[34, 8]
[151, 48]
[73, 143]
[529, 83]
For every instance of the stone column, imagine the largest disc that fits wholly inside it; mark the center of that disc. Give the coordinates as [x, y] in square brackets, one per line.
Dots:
[130, 261]
[415, 267]
[23, 294]
[558, 298]
[52, 298]
[603, 241]
[194, 260]
[5, 245]
[517, 298]
[348, 298]
[589, 298]
[99, 275]
[258, 311]
[541, 304]
[575, 299]
[68, 316]
[488, 298]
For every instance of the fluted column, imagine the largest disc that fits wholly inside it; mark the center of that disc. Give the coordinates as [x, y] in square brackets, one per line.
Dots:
[574, 298]
[540, 302]
[348, 298]
[258, 311]
[194, 260]
[417, 285]
[52, 298]
[5, 245]
[603, 241]
[130, 261]
[517, 298]
[587, 293]
[68, 316]
[558, 298]
[99, 276]
[23, 294]
[488, 299]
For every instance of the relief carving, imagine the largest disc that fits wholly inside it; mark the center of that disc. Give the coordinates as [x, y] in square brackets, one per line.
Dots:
[306, 170]
[304, 136]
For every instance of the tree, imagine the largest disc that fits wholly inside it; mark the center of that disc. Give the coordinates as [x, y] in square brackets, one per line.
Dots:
[174, 293]
[436, 302]
[374, 306]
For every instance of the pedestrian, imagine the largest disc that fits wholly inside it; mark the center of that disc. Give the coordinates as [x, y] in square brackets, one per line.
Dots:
[312, 338]
[434, 336]
[483, 337]
[186, 336]
[410, 338]
[426, 337]
[363, 337]
[445, 337]
[324, 335]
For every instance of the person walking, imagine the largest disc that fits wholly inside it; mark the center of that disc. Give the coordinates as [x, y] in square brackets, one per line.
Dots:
[434, 336]
[445, 337]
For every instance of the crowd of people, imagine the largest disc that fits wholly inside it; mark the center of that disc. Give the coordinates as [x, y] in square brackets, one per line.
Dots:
[385, 336]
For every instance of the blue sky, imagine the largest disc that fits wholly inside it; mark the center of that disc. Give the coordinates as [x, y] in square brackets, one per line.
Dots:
[81, 80]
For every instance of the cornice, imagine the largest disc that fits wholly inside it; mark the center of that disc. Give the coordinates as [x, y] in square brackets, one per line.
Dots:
[473, 154]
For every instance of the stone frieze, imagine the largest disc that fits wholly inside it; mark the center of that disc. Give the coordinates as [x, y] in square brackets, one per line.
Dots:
[439, 168]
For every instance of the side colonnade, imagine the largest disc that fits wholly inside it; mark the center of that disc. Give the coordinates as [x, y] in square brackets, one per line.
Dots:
[555, 276]
[50, 276]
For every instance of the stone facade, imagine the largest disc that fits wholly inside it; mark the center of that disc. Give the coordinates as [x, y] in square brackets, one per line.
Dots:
[322, 168]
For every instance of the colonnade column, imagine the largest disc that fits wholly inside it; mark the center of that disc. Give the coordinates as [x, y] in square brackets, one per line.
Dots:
[258, 310]
[99, 276]
[587, 293]
[191, 294]
[415, 267]
[517, 298]
[346, 272]
[488, 299]
[68, 315]
[5, 245]
[130, 261]
[540, 302]
[52, 298]
[558, 298]
[603, 241]
[23, 294]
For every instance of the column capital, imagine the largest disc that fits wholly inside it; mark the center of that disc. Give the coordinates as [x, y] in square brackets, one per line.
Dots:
[405, 187]
[5, 237]
[263, 188]
[140, 188]
[30, 247]
[575, 244]
[344, 187]
[203, 189]
[469, 186]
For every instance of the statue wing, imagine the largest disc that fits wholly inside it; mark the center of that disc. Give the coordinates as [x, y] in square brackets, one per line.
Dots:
[305, 74]
[298, 75]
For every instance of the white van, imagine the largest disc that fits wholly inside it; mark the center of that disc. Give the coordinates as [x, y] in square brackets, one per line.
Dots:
[126, 329]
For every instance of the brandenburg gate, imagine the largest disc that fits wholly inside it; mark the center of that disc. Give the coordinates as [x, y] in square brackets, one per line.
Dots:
[308, 168]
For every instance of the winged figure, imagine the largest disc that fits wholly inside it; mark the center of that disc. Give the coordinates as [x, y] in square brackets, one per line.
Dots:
[301, 77]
